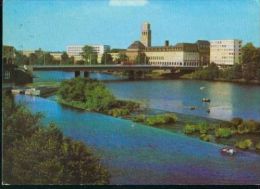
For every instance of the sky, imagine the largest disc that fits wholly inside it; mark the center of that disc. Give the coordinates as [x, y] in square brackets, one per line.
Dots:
[54, 24]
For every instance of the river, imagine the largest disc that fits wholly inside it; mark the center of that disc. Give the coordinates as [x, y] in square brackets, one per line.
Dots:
[139, 154]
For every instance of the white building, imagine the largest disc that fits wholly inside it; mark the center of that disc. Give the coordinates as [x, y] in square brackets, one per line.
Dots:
[180, 55]
[76, 50]
[225, 52]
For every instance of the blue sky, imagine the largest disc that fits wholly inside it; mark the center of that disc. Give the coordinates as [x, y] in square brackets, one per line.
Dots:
[54, 24]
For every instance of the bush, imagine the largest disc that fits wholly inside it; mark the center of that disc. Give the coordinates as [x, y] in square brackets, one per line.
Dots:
[161, 119]
[257, 146]
[118, 112]
[139, 118]
[223, 132]
[237, 121]
[203, 128]
[244, 144]
[190, 129]
[206, 137]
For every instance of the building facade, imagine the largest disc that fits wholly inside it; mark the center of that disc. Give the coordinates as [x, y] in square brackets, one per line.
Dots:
[146, 35]
[56, 55]
[76, 50]
[180, 55]
[225, 52]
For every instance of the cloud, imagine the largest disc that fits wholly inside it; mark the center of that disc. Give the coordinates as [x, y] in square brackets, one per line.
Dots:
[120, 3]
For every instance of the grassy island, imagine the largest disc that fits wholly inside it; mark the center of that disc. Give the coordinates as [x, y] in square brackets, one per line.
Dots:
[92, 95]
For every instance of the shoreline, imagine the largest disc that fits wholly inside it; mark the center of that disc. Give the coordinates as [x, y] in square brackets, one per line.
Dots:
[179, 125]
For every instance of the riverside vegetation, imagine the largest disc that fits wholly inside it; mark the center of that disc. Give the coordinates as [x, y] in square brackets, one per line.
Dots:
[92, 95]
[34, 154]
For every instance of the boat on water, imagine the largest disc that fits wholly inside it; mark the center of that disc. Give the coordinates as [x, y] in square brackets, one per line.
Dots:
[208, 111]
[192, 108]
[205, 100]
[228, 151]
[33, 92]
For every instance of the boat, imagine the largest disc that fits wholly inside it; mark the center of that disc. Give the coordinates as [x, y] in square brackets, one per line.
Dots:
[205, 100]
[208, 111]
[32, 91]
[192, 108]
[17, 91]
[201, 88]
[228, 151]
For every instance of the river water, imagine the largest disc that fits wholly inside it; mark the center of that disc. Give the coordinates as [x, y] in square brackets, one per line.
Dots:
[139, 154]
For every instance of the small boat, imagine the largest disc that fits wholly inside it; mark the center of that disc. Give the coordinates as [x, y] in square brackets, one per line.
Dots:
[208, 111]
[201, 88]
[228, 151]
[205, 100]
[192, 108]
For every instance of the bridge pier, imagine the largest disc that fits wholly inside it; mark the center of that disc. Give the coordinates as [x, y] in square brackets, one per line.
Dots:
[77, 73]
[86, 74]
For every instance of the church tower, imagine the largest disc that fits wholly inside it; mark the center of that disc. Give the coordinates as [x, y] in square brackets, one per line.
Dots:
[146, 35]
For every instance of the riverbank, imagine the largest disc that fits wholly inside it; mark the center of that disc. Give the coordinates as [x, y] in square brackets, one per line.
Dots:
[239, 81]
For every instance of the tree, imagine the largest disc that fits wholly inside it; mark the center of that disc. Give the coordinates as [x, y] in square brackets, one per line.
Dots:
[89, 55]
[33, 154]
[122, 58]
[106, 58]
[20, 59]
[64, 58]
[141, 59]
[248, 52]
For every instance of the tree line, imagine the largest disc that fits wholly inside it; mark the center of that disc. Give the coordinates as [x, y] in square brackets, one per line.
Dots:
[37, 154]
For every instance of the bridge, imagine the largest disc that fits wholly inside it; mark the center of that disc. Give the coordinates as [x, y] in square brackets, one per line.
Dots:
[109, 67]
[132, 69]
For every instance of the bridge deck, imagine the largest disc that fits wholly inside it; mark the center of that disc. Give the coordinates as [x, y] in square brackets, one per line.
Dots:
[106, 67]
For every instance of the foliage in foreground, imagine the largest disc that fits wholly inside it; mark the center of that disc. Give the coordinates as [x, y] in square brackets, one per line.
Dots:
[33, 154]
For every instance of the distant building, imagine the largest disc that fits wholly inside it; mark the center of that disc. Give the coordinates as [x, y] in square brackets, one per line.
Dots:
[27, 52]
[56, 55]
[76, 50]
[146, 35]
[181, 54]
[134, 50]
[225, 52]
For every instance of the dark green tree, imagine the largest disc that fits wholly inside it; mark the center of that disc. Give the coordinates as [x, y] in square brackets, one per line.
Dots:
[89, 55]
[106, 58]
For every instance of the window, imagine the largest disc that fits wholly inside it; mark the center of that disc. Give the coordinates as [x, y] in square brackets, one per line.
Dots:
[7, 75]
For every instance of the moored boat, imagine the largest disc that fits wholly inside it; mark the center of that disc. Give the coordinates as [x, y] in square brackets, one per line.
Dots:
[228, 151]
[205, 100]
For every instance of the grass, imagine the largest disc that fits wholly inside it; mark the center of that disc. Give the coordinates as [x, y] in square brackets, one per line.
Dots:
[44, 84]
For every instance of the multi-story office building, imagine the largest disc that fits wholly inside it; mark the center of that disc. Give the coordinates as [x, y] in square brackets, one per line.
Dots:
[225, 52]
[76, 50]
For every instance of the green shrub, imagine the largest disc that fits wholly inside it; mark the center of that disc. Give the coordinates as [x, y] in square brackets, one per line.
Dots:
[206, 137]
[203, 128]
[236, 121]
[118, 112]
[161, 119]
[251, 126]
[257, 146]
[244, 144]
[223, 132]
[190, 129]
[139, 118]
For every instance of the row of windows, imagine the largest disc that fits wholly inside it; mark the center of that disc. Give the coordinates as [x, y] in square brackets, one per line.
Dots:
[175, 63]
